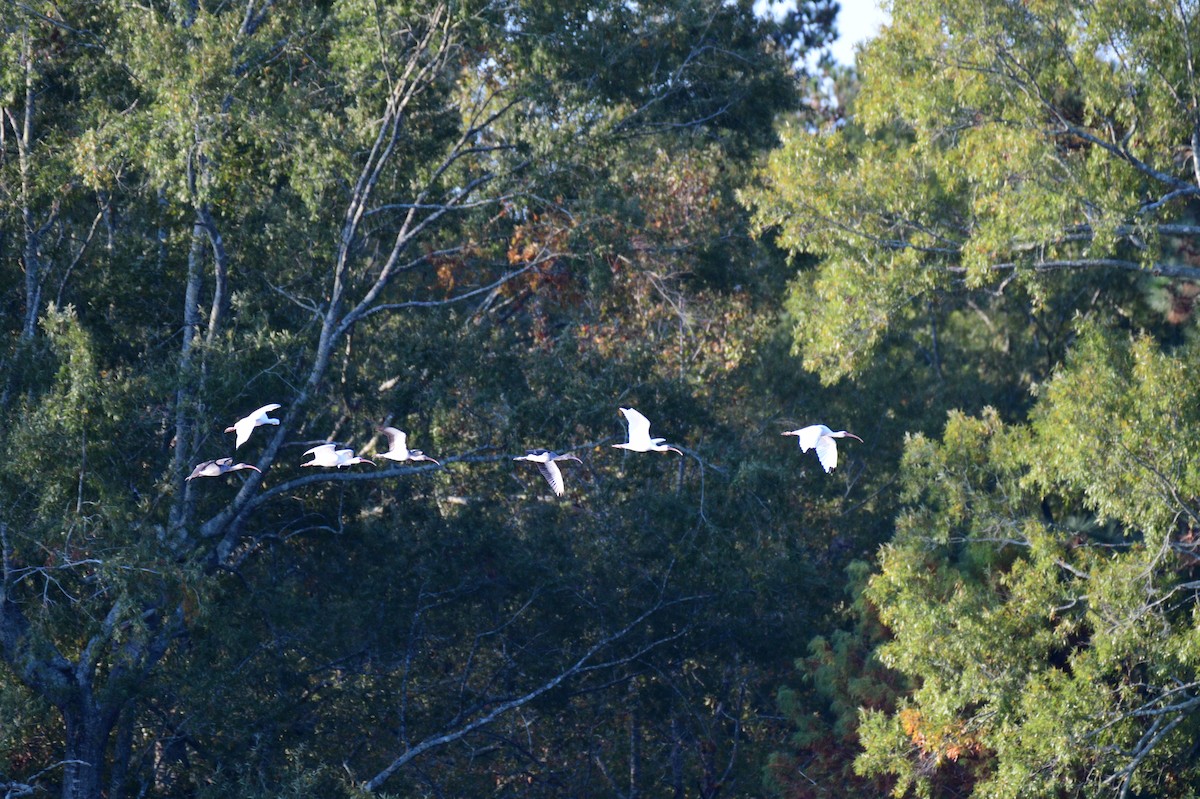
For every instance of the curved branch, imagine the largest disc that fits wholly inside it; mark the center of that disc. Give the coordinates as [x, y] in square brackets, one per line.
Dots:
[395, 306]
[581, 665]
[1156, 269]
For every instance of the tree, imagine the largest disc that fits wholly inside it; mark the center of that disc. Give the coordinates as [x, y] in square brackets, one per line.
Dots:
[1020, 179]
[362, 211]
[993, 147]
[1040, 590]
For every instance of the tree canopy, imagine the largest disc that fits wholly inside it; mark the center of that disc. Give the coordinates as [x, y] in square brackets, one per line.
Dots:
[1021, 179]
[490, 225]
[992, 145]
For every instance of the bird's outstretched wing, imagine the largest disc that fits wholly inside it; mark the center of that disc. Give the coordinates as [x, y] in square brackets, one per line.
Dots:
[243, 428]
[264, 410]
[553, 476]
[826, 453]
[199, 471]
[810, 437]
[396, 438]
[639, 426]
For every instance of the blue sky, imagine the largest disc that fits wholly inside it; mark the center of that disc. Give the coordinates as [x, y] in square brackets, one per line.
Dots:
[857, 20]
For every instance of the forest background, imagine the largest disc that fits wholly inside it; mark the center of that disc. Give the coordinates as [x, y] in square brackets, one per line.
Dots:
[491, 225]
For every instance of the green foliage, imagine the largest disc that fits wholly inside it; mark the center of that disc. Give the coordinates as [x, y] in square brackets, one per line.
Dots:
[1003, 218]
[490, 225]
[1117, 416]
[991, 144]
[1039, 589]
[842, 679]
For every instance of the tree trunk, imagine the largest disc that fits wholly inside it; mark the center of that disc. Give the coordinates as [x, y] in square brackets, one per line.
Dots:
[677, 758]
[185, 395]
[32, 258]
[87, 733]
[122, 749]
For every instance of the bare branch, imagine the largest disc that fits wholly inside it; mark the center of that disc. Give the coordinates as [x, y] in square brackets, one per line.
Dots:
[220, 271]
[13, 789]
[1157, 269]
[1158, 730]
[78, 256]
[395, 306]
[581, 665]
[414, 79]
[252, 19]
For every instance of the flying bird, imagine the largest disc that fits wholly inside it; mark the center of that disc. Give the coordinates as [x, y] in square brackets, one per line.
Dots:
[219, 467]
[545, 460]
[821, 438]
[330, 455]
[639, 435]
[244, 426]
[398, 447]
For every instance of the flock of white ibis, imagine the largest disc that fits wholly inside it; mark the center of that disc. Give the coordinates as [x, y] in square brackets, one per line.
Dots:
[816, 436]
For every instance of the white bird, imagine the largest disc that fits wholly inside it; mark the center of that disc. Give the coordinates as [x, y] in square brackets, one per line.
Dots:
[545, 460]
[398, 447]
[821, 438]
[330, 455]
[639, 435]
[244, 426]
[219, 467]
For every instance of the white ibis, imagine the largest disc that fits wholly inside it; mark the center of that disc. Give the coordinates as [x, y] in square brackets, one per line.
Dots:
[330, 455]
[398, 447]
[219, 467]
[639, 435]
[244, 426]
[545, 460]
[821, 438]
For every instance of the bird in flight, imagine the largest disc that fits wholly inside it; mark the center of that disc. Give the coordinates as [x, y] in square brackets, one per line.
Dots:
[244, 426]
[821, 438]
[639, 435]
[330, 455]
[545, 460]
[219, 467]
[398, 447]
